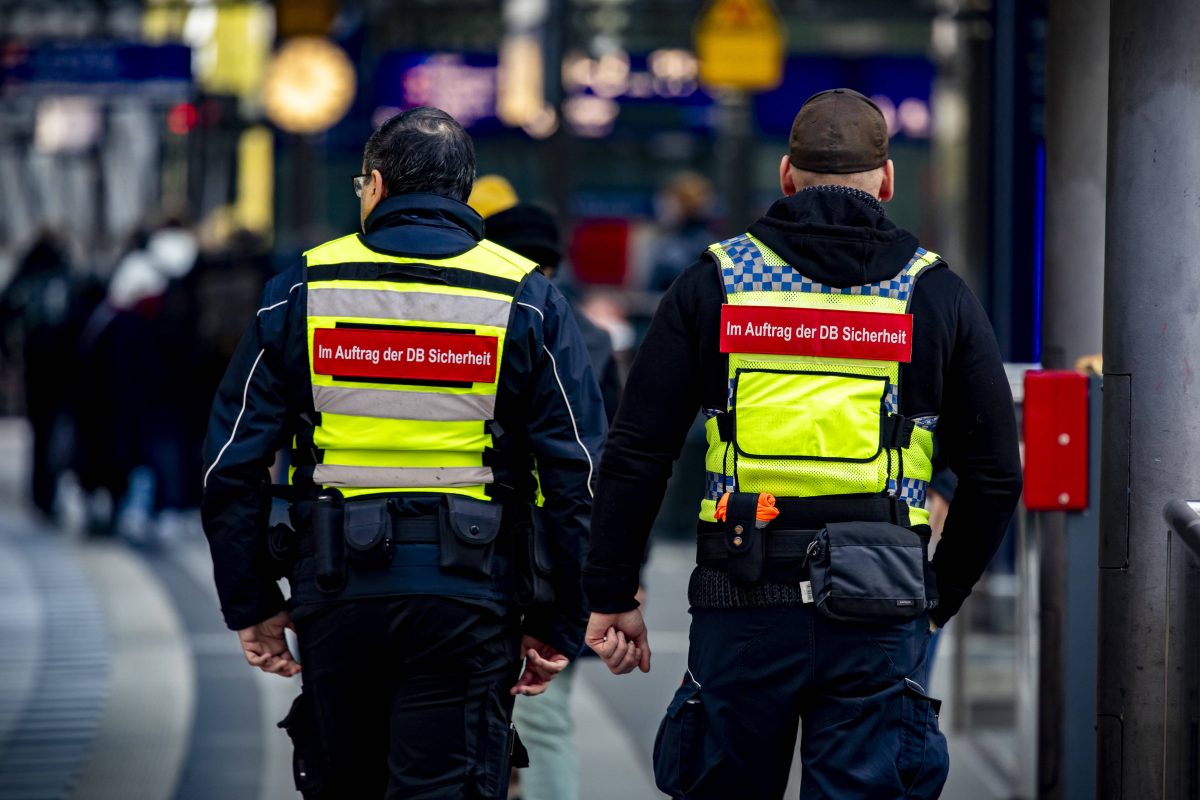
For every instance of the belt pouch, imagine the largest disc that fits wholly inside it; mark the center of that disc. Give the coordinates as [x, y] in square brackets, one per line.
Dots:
[743, 539]
[467, 531]
[329, 546]
[868, 572]
[367, 527]
[532, 566]
[282, 548]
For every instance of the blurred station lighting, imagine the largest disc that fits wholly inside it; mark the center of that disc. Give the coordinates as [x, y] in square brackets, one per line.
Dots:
[520, 69]
[309, 85]
[256, 180]
[463, 90]
[520, 94]
[589, 116]
[675, 72]
[66, 125]
[544, 123]
[182, 118]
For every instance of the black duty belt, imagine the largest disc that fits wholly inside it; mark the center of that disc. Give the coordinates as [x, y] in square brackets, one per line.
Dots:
[405, 530]
[780, 544]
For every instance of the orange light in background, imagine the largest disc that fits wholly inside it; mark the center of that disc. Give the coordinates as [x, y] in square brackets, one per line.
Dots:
[182, 118]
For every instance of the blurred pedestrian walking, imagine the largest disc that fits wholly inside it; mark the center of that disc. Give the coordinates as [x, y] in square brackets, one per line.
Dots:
[35, 328]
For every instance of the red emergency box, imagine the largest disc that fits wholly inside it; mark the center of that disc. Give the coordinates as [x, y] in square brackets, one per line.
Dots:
[1056, 440]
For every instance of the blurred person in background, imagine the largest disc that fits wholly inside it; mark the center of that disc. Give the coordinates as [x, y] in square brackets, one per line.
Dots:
[35, 327]
[820, 454]
[119, 362]
[684, 207]
[420, 374]
[171, 454]
[533, 232]
[545, 721]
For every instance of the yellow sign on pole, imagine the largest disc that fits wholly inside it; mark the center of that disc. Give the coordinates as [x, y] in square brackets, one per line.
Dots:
[740, 45]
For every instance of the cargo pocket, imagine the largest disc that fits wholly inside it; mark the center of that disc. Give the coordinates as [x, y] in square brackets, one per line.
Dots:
[499, 751]
[680, 739]
[308, 758]
[532, 565]
[923, 762]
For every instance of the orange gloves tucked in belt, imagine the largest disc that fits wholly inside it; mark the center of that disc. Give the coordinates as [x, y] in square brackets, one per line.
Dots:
[765, 513]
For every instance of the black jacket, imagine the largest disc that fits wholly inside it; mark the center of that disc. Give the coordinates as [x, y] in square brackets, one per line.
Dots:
[842, 239]
[547, 403]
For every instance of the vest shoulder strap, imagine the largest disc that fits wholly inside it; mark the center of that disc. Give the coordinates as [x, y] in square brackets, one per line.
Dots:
[747, 265]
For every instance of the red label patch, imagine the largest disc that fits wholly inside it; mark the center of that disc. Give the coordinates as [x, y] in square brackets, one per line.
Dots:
[816, 332]
[405, 355]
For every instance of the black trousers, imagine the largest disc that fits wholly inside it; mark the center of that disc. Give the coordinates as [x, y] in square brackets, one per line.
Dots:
[409, 699]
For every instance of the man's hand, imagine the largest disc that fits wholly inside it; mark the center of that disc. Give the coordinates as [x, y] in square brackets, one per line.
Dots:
[264, 647]
[620, 639]
[542, 663]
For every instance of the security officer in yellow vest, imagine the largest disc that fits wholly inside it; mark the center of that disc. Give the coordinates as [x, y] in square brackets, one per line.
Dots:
[418, 374]
[825, 349]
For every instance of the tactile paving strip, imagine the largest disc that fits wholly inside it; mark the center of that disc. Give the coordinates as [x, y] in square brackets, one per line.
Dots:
[54, 666]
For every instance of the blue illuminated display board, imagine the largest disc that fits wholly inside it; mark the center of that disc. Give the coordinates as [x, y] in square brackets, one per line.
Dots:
[464, 84]
[95, 66]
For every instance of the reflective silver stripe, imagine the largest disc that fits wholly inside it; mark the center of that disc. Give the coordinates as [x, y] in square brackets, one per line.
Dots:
[400, 404]
[401, 477]
[397, 305]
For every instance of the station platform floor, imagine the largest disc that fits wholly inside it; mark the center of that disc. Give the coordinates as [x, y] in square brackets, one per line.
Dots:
[119, 681]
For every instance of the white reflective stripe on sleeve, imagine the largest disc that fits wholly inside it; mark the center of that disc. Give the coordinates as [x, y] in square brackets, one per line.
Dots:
[399, 404]
[401, 477]
[295, 286]
[567, 402]
[236, 422]
[400, 305]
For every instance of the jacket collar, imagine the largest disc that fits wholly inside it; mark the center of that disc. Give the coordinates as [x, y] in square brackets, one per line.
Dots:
[423, 224]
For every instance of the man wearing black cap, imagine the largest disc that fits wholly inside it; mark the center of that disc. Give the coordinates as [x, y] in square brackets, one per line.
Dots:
[826, 349]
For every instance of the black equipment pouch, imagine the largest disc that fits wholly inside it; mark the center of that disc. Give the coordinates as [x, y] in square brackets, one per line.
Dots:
[743, 539]
[532, 565]
[329, 545]
[282, 549]
[868, 572]
[467, 531]
[367, 528]
[308, 756]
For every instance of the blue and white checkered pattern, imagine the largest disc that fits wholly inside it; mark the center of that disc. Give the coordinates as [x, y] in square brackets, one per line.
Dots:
[716, 485]
[928, 422]
[749, 272]
[891, 400]
[912, 492]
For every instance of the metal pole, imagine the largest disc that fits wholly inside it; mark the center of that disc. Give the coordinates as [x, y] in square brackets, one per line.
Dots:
[1076, 121]
[1076, 147]
[734, 155]
[1151, 419]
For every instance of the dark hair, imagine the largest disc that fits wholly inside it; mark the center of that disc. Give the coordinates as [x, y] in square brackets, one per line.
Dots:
[422, 150]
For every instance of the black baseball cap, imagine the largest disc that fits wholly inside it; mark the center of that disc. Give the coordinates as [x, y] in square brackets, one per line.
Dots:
[529, 231]
[838, 131]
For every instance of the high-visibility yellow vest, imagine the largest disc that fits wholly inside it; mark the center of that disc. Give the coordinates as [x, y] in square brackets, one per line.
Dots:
[814, 425]
[404, 356]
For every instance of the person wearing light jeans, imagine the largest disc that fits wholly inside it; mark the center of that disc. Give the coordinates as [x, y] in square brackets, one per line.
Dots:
[548, 731]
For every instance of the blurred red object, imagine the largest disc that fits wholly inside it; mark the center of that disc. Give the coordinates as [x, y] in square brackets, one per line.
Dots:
[600, 251]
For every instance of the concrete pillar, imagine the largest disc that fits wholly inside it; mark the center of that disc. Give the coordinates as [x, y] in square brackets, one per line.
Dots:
[1151, 399]
[1073, 300]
